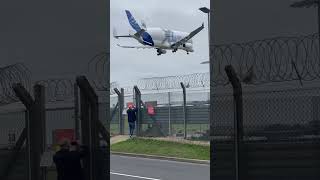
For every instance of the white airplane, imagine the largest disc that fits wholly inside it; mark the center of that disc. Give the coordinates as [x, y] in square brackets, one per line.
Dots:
[159, 38]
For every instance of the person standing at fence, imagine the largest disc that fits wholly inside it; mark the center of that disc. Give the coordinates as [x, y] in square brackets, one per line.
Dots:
[68, 161]
[132, 117]
[61, 160]
[76, 155]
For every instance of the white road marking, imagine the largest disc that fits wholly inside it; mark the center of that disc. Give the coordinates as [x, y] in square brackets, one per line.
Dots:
[128, 175]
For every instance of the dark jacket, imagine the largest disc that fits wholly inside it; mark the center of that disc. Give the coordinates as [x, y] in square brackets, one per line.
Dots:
[68, 164]
[132, 117]
[61, 159]
[76, 171]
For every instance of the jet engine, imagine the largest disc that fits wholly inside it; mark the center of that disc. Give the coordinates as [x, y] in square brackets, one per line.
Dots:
[161, 51]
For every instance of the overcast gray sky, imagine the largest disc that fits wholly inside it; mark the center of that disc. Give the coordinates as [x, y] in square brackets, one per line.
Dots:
[181, 15]
[246, 20]
[59, 37]
[234, 21]
[53, 38]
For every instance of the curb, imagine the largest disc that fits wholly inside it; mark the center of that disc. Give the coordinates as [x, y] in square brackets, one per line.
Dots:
[181, 141]
[162, 157]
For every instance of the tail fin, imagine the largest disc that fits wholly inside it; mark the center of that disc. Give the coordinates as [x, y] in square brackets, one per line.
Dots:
[132, 21]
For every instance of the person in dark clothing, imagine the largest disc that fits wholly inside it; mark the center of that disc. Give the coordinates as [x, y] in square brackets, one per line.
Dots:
[76, 154]
[131, 112]
[61, 159]
[68, 162]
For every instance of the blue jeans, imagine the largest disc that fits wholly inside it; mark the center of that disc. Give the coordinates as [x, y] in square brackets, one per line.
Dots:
[131, 127]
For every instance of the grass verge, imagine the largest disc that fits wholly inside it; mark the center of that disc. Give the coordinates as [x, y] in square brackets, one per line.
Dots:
[162, 148]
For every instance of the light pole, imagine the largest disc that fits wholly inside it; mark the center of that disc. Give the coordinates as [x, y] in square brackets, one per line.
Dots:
[308, 4]
[207, 11]
[211, 115]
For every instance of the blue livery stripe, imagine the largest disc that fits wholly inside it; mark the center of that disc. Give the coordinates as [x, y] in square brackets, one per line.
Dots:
[147, 39]
[132, 21]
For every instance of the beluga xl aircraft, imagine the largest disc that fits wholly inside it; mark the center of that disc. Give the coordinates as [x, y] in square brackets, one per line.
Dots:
[159, 38]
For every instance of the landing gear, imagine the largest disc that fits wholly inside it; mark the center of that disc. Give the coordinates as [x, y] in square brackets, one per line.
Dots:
[187, 52]
[161, 51]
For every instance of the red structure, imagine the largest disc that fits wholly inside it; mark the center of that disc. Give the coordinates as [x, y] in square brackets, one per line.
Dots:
[63, 134]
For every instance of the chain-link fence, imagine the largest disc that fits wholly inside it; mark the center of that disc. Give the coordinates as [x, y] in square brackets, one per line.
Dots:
[269, 116]
[162, 114]
[287, 115]
[115, 117]
[280, 129]
[12, 124]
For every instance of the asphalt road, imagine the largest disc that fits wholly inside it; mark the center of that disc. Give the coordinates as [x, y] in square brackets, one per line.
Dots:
[131, 168]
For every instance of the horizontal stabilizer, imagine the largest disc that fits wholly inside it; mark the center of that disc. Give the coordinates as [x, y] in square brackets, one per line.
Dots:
[136, 47]
[115, 34]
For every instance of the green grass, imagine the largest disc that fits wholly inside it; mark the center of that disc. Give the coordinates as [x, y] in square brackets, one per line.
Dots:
[162, 148]
[191, 128]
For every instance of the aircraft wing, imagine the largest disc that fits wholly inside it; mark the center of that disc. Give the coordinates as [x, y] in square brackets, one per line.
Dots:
[186, 39]
[205, 62]
[136, 47]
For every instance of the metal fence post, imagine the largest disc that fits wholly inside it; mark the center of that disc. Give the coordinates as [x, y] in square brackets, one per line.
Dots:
[85, 131]
[120, 111]
[238, 119]
[40, 128]
[169, 109]
[184, 109]
[76, 112]
[121, 107]
[138, 104]
[212, 82]
[27, 127]
[34, 128]
[96, 165]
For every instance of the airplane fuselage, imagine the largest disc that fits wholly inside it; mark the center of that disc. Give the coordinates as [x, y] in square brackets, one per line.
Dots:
[159, 38]
[164, 38]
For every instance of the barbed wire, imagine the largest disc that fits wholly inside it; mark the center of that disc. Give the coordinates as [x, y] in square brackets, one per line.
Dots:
[63, 89]
[173, 82]
[271, 60]
[58, 89]
[97, 71]
[15, 73]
